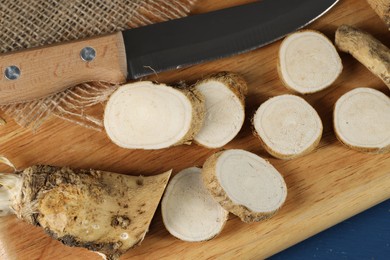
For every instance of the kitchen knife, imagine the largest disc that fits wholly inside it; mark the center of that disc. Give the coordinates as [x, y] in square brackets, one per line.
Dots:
[115, 58]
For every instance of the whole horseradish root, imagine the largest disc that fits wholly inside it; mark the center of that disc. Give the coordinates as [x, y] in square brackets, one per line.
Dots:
[104, 212]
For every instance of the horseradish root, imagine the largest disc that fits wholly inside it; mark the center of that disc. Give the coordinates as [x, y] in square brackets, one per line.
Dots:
[224, 95]
[145, 115]
[189, 211]
[362, 120]
[308, 62]
[366, 49]
[382, 8]
[244, 184]
[287, 126]
[104, 212]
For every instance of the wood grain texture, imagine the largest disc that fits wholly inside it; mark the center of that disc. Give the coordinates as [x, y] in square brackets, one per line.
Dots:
[64, 69]
[325, 187]
[382, 8]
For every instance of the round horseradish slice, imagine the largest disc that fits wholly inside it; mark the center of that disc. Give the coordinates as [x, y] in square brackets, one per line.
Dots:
[287, 126]
[361, 120]
[244, 184]
[189, 211]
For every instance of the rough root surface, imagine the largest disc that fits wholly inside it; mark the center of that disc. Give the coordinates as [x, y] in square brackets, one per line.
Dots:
[366, 49]
[101, 211]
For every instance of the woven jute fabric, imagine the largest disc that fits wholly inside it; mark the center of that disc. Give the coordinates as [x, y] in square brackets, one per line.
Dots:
[32, 23]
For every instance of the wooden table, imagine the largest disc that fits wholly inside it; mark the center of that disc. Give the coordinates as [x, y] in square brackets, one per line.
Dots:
[325, 187]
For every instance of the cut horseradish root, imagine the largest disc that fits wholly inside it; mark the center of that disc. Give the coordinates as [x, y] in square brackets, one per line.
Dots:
[308, 62]
[104, 212]
[145, 115]
[287, 126]
[224, 95]
[244, 184]
[189, 211]
[361, 120]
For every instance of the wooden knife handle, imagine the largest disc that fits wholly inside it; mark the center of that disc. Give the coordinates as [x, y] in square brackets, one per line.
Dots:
[51, 69]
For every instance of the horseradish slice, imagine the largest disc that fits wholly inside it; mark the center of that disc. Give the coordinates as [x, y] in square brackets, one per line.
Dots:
[287, 126]
[144, 115]
[308, 62]
[189, 211]
[362, 120]
[244, 184]
[224, 95]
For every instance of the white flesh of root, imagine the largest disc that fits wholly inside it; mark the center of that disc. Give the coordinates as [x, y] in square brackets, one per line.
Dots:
[287, 126]
[362, 120]
[308, 62]
[225, 111]
[244, 184]
[189, 211]
[10, 191]
[144, 115]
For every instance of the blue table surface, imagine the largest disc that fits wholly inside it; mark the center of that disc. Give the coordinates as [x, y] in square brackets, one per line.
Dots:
[364, 236]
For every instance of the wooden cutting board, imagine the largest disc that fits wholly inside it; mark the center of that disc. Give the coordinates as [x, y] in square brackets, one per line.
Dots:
[325, 187]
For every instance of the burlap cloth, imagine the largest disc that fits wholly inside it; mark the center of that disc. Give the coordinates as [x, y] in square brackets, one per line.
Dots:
[31, 23]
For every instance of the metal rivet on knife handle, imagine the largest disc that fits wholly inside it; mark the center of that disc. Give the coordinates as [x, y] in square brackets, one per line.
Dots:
[12, 72]
[88, 54]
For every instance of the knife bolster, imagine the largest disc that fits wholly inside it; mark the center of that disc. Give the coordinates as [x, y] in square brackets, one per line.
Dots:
[54, 68]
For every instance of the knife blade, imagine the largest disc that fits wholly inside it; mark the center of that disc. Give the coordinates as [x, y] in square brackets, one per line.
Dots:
[135, 53]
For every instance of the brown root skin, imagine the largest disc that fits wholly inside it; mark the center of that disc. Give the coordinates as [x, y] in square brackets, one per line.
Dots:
[90, 208]
[211, 182]
[382, 8]
[198, 114]
[366, 49]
